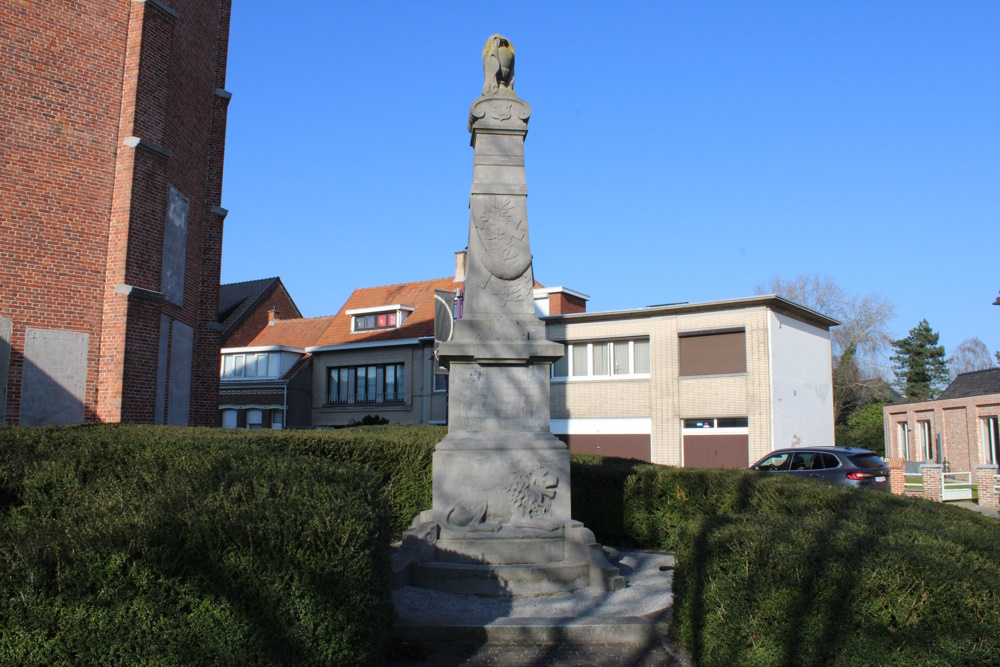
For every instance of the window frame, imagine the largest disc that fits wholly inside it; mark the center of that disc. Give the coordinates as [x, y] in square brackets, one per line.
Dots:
[990, 432]
[355, 390]
[585, 347]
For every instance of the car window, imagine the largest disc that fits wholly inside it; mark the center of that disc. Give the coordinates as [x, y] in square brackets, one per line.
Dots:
[774, 462]
[830, 461]
[803, 461]
[867, 461]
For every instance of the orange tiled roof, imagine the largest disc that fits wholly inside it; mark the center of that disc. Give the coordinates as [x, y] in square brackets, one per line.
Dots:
[299, 332]
[419, 323]
[336, 329]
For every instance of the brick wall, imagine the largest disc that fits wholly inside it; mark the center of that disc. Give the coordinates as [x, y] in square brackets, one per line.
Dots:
[957, 419]
[257, 320]
[85, 203]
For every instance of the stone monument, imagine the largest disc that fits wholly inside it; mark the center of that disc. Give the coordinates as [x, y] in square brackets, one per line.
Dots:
[500, 522]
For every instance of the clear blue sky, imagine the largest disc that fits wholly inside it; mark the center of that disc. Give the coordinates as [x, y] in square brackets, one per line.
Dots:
[677, 152]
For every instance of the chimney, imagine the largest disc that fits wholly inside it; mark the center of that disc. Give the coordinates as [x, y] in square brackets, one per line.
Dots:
[272, 316]
[460, 259]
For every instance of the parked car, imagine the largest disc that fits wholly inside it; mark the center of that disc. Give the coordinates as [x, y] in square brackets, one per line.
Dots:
[842, 466]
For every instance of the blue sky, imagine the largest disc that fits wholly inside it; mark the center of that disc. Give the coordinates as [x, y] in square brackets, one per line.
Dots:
[677, 151]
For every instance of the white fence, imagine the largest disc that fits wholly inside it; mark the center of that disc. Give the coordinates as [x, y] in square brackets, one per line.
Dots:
[914, 481]
[956, 486]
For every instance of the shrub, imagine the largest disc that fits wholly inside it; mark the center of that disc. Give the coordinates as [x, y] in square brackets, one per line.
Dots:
[128, 545]
[774, 570]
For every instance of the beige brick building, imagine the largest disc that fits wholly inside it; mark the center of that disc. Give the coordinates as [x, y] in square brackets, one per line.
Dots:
[716, 384]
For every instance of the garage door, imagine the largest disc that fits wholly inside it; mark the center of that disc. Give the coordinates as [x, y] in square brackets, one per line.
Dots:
[716, 451]
[626, 446]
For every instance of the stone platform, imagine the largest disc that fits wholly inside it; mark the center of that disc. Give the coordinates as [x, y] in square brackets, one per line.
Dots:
[636, 614]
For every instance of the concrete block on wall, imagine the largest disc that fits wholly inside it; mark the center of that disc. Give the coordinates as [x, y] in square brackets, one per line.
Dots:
[179, 401]
[54, 380]
[6, 326]
[175, 246]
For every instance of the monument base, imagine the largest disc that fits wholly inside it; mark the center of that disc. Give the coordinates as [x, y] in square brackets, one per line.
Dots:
[508, 562]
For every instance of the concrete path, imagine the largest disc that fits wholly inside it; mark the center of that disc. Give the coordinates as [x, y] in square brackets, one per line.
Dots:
[968, 504]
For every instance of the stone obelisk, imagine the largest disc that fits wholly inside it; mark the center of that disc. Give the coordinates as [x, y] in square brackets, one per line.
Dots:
[500, 522]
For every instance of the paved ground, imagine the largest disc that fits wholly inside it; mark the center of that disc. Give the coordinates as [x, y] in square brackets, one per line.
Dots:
[968, 504]
[660, 654]
[587, 628]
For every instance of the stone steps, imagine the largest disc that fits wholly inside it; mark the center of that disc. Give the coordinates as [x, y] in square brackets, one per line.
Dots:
[502, 579]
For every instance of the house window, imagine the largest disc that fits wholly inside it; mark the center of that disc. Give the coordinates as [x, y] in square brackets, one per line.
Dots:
[229, 419]
[277, 419]
[991, 440]
[926, 444]
[903, 437]
[713, 353]
[716, 423]
[440, 383]
[255, 418]
[253, 365]
[366, 384]
[603, 359]
[387, 320]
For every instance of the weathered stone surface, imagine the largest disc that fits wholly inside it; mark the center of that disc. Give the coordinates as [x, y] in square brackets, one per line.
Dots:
[6, 327]
[486, 490]
[501, 521]
[54, 380]
[179, 401]
[175, 246]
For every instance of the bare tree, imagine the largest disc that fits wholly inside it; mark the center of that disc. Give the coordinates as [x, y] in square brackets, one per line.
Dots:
[970, 355]
[859, 343]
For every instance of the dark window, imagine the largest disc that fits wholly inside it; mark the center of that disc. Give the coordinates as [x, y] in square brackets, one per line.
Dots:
[713, 354]
[803, 461]
[830, 461]
[377, 321]
[365, 384]
[867, 461]
[732, 422]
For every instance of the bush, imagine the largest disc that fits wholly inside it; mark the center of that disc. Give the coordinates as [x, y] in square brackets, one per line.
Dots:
[774, 570]
[864, 429]
[129, 545]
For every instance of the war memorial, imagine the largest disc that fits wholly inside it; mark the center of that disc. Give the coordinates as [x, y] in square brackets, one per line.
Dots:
[500, 522]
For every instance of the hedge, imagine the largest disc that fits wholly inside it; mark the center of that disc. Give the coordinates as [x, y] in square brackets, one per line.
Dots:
[779, 571]
[191, 546]
[138, 545]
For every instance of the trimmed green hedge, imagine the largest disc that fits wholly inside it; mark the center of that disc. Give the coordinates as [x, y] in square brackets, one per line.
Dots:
[125, 544]
[780, 571]
[137, 545]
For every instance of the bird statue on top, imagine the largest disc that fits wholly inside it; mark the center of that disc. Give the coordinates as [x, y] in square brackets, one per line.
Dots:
[498, 66]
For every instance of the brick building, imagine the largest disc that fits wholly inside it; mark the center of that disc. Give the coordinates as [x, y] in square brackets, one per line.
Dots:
[960, 429]
[246, 308]
[112, 135]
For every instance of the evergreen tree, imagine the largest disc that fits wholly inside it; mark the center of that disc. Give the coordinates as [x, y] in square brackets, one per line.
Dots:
[921, 370]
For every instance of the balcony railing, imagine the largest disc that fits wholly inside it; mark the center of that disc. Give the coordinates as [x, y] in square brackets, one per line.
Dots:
[365, 399]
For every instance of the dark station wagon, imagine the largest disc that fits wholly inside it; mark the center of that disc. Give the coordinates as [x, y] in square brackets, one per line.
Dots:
[842, 466]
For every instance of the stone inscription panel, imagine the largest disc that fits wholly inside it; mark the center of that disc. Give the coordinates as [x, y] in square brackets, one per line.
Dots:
[54, 382]
[175, 246]
[505, 398]
[6, 327]
[179, 401]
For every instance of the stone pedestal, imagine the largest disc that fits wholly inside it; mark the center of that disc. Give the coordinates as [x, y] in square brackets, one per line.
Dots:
[500, 522]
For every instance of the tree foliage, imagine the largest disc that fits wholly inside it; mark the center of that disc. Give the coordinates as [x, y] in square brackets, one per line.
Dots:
[970, 355]
[859, 343]
[920, 366]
